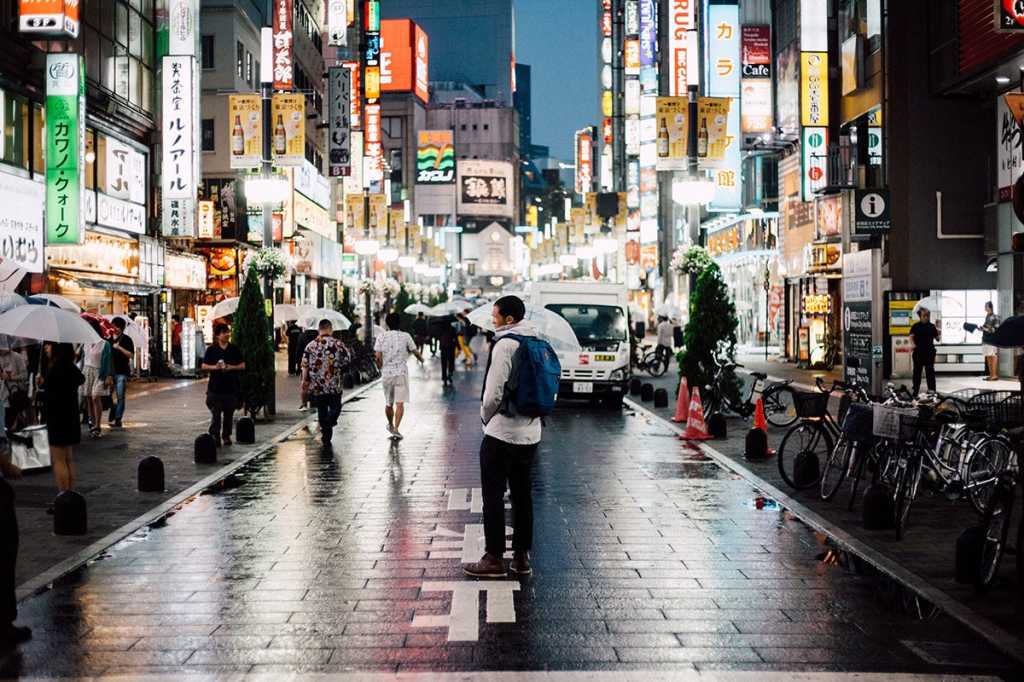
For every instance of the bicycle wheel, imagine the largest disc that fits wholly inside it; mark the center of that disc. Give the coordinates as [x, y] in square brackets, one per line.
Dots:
[780, 407]
[906, 490]
[802, 444]
[836, 466]
[650, 363]
[659, 365]
[988, 459]
[996, 527]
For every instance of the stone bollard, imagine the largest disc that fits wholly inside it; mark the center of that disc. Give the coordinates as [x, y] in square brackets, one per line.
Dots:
[635, 386]
[660, 398]
[647, 393]
[347, 381]
[245, 431]
[151, 475]
[205, 449]
[756, 445]
[69, 515]
[716, 426]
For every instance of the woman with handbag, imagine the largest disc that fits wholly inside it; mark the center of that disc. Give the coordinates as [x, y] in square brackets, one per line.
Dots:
[63, 429]
[99, 377]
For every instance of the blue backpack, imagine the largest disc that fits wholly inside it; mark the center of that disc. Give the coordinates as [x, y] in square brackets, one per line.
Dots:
[532, 385]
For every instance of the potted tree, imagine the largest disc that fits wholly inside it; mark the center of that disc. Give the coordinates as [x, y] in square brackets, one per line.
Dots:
[251, 333]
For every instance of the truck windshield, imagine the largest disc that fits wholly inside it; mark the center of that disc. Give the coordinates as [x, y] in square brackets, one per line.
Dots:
[593, 322]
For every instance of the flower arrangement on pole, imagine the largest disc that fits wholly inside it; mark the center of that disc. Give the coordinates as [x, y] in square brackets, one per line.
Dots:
[269, 262]
[691, 260]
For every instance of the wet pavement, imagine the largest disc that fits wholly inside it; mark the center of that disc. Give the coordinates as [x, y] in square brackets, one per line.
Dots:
[648, 556]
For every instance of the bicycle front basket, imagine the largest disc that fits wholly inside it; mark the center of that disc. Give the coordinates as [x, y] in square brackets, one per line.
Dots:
[894, 423]
[857, 423]
[810, 404]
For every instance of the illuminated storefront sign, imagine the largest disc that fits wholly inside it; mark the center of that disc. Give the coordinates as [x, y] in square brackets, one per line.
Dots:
[179, 128]
[65, 148]
[53, 17]
[283, 67]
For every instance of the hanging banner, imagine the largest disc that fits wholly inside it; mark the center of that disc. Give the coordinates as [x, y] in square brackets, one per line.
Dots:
[584, 162]
[378, 218]
[435, 157]
[245, 113]
[396, 218]
[178, 217]
[65, 148]
[672, 133]
[814, 88]
[339, 110]
[373, 143]
[354, 218]
[283, 67]
[815, 154]
[178, 166]
[182, 18]
[288, 136]
[713, 134]
[337, 22]
[54, 17]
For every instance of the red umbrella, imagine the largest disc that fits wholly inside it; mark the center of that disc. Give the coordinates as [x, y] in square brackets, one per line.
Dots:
[103, 326]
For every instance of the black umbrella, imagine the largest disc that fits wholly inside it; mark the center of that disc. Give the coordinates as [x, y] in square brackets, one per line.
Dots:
[1010, 334]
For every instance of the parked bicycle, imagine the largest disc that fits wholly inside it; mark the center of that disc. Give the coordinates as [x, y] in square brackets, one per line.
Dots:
[650, 359]
[726, 385]
[981, 548]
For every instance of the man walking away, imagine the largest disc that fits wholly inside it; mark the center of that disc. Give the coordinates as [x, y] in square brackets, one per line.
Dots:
[666, 339]
[519, 389]
[10, 634]
[324, 362]
[420, 331]
[991, 352]
[923, 336]
[294, 333]
[224, 361]
[447, 341]
[393, 349]
[122, 351]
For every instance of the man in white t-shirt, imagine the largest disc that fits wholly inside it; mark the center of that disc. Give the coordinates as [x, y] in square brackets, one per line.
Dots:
[393, 349]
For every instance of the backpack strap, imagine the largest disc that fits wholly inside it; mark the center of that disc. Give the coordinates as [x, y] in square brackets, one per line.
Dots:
[503, 407]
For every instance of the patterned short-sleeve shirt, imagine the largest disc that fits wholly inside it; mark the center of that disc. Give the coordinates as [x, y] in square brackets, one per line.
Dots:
[394, 347]
[326, 358]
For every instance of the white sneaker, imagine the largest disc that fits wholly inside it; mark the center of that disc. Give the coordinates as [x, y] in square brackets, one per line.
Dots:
[396, 435]
[391, 430]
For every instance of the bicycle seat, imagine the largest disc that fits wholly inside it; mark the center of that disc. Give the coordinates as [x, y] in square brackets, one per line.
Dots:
[757, 375]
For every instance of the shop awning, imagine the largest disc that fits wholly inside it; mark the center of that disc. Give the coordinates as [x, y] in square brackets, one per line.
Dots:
[130, 288]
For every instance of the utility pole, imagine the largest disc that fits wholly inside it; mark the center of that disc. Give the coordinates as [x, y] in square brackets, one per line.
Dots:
[267, 93]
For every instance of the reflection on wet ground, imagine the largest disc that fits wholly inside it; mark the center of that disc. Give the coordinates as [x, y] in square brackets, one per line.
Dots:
[647, 555]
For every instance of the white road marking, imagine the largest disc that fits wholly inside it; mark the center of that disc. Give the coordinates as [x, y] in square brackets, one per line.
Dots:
[463, 622]
[468, 499]
[467, 546]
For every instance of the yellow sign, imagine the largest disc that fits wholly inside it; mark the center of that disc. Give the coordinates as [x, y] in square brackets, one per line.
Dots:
[245, 116]
[288, 135]
[671, 113]
[396, 217]
[378, 215]
[354, 218]
[817, 304]
[606, 103]
[372, 82]
[713, 134]
[814, 88]
[205, 219]
[531, 215]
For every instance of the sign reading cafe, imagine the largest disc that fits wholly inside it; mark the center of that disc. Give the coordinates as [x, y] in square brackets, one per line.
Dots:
[65, 148]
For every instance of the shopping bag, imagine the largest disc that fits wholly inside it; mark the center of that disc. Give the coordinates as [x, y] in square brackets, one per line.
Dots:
[30, 448]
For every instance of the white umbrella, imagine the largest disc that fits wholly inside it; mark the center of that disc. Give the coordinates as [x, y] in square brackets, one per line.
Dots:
[668, 310]
[226, 307]
[416, 309]
[637, 312]
[441, 309]
[551, 326]
[459, 304]
[285, 312]
[311, 319]
[8, 301]
[131, 330]
[47, 323]
[939, 306]
[57, 301]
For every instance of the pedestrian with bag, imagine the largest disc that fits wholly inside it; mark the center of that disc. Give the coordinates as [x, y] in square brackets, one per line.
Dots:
[63, 428]
[520, 385]
[123, 350]
[224, 361]
[923, 336]
[392, 349]
[97, 367]
[990, 352]
[324, 363]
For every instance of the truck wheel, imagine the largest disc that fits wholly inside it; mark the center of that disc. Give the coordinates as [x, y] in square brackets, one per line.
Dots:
[613, 402]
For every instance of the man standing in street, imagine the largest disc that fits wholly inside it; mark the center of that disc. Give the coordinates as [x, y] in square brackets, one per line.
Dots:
[666, 339]
[324, 362]
[448, 343]
[224, 361]
[393, 349]
[10, 634]
[122, 351]
[990, 352]
[507, 451]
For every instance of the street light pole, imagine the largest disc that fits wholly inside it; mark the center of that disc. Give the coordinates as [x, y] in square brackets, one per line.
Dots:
[368, 296]
[267, 90]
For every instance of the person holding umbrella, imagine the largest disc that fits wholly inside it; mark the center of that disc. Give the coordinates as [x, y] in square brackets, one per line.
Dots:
[923, 336]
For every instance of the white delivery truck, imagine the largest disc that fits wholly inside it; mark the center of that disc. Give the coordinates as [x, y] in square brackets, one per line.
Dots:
[598, 313]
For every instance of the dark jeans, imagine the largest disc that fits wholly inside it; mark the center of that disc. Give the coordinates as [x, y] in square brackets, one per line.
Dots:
[328, 407]
[447, 362]
[222, 408]
[925, 361]
[8, 554]
[504, 464]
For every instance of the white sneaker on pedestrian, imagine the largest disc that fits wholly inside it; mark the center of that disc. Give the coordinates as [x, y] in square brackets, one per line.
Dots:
[391, 430]
[396, 435]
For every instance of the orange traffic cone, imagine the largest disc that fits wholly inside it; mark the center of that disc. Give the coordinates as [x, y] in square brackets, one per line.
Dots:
[682, 403]
[696, 429]
[759, 420]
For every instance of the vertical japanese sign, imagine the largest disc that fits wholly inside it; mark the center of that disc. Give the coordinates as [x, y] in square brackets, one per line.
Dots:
[682, 45]
[356, 116]
[178, 133]
[723, 81]
[126, 172]
[813, 97]
[54, 17]
[283, 67]
[206, 220]
[584, 162]
[182, 17]
[672, 133]
[373, 142]
[337, 22]
[245, 116]
[65, 148]
[339, 112]
[756, 86]
[288, 135]
[648, 34]
[815, 153]
[814, 88]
